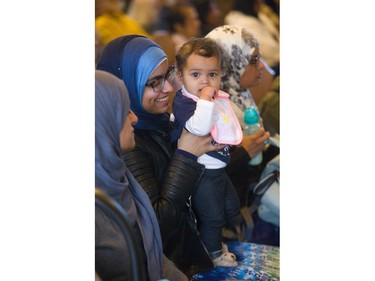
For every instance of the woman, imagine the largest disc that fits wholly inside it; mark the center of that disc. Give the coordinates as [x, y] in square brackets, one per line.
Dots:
[209, 14]
[184, 23]
[246, 67]
[113, 134]
[168, 177]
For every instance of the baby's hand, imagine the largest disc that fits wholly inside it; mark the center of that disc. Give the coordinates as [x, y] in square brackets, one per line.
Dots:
[208, 93]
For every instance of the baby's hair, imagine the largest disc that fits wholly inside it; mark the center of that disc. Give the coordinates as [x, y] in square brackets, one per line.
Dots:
[205, 47]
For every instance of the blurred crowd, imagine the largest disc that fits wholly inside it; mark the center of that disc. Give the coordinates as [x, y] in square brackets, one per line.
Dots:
[170, 23]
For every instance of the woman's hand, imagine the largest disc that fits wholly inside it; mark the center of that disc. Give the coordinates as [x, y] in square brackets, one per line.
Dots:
[254, 144]
[196, 145]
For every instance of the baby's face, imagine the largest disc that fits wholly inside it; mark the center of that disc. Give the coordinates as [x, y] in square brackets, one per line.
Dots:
[200, 72]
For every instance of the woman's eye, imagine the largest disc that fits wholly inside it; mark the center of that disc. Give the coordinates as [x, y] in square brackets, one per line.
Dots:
[156, 82]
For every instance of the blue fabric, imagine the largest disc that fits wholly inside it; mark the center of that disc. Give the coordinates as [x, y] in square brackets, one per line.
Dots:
[111, 59]
[111, 174]
[255, 263]
[183, 108]
[133, 58]
[149, 61]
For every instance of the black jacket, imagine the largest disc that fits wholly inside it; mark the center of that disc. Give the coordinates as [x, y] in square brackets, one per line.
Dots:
[169, 179]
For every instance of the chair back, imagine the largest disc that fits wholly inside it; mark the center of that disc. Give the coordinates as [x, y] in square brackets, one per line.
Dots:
[118, 214]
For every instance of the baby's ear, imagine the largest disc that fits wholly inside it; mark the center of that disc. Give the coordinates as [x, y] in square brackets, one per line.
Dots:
[179, 75]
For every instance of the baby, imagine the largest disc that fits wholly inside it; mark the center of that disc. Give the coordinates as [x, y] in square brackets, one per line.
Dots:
[200, 66]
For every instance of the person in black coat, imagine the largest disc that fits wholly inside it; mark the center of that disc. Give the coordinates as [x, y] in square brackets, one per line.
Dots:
[168, 176]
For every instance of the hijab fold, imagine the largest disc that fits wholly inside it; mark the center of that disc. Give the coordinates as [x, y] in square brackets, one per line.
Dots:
[239, 45]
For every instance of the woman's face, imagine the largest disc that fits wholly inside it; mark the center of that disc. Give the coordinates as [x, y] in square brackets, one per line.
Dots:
[157, 103]
[127, 141]
[192, 24]
[214, 15]
[253, 72]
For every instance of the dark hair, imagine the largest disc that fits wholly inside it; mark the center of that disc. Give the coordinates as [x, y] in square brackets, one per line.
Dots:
[202, 7]
[177, 15]
[248, 7]
[205, 47]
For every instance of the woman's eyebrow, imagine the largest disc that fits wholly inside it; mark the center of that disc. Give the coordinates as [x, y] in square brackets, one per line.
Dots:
[156, 77]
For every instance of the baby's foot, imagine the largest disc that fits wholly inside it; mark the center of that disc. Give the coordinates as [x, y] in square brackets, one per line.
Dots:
[226, 259]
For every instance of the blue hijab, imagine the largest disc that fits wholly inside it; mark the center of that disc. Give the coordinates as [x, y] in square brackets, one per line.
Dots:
[133, 58]
[112, 106]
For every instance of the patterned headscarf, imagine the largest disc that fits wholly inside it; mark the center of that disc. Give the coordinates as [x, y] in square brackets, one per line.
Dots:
[239, 44]
[133, 58]
[111, 174]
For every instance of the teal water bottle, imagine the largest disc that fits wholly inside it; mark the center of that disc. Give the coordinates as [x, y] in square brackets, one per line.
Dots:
[251, 120]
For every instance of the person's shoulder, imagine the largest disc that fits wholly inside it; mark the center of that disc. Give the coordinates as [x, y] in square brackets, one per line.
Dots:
[180, 98]
[239, 18]
[181, 101]
[102, 19]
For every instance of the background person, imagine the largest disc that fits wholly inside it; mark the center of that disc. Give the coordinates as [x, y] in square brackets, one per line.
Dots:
[113, 134]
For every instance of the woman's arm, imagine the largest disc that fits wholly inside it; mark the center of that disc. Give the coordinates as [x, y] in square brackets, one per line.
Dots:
[169, 182]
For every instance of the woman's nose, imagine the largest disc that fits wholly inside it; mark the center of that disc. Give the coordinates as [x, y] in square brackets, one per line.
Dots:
[133, 118]
[260, 64]
[168, 86]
